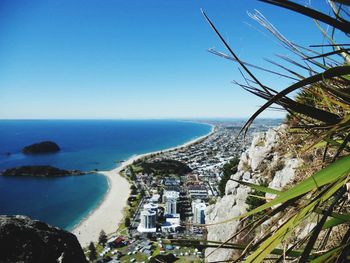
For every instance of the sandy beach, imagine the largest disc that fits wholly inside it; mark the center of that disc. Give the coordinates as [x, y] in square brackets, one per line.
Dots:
[109, 213]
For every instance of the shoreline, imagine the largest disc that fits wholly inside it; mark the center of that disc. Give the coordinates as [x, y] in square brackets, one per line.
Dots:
[109, 212]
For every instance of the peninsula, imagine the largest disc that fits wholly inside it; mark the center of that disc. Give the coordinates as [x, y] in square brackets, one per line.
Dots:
[39, 171]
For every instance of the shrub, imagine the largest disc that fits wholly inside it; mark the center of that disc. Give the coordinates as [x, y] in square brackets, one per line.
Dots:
[102, 239]
[228, 169]
[92, 252]
[256, 199]
[127, 222]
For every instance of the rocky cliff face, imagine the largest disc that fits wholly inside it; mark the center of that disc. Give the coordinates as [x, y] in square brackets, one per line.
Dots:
[266, 159]
[26, 240]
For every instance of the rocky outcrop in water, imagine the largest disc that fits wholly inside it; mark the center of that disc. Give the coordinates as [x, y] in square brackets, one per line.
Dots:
[25, 240]
[261, 160]
[39, 171]
[41, 148]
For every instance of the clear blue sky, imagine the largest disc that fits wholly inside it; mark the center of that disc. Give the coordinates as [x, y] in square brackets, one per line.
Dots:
[133, 59]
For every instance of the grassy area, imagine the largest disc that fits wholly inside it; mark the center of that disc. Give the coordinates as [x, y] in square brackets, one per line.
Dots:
[188, 260]
[122, 229]
[136, 168]
[99, 248]
[156, 251]
[129, 210]
[138, 257]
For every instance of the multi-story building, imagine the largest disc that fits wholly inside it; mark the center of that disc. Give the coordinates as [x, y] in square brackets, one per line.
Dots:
[170, 206]
[170, 194]
[151, 206]
[198, 209]
[148, 221]
[198, 192]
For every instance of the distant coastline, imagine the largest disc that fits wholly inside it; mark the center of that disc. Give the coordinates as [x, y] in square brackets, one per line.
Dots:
[109, 213]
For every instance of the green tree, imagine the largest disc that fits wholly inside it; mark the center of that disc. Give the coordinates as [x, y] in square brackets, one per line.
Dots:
[92, 252]
[228, 169]
[127, 221]
[133, 189]
[132, 173]
[102, 239]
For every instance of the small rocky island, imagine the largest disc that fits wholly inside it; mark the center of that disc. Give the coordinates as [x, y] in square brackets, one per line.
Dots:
[39, 171]
[41, 148]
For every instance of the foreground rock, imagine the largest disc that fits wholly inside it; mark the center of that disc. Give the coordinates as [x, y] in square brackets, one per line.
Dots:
[26, 240]
[41, 147]
[39, 171]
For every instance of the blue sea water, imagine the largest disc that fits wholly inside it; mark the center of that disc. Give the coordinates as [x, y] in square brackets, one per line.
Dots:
[85, 145]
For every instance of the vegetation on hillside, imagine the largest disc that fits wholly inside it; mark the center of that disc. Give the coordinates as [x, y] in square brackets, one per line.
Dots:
[256, 199]
[228, 169]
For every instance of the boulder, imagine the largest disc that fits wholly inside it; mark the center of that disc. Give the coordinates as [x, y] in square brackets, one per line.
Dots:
[284, 176]
[25, 240]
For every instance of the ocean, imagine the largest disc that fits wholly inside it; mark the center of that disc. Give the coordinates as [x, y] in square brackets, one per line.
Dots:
[85, 145]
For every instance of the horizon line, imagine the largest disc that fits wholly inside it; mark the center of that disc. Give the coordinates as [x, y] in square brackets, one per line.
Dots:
[127, 119]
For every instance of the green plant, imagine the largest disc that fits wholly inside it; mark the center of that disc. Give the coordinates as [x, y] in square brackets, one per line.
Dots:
[321, 111]
[102, 239]
[92, 252]
[127, 222]
[228, 169]
[255, 199]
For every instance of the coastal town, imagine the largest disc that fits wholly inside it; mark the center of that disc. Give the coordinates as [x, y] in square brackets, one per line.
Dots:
[175, 131]
[169, 193]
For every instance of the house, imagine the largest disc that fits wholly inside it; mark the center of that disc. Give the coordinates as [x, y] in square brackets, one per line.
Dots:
[117, 242]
